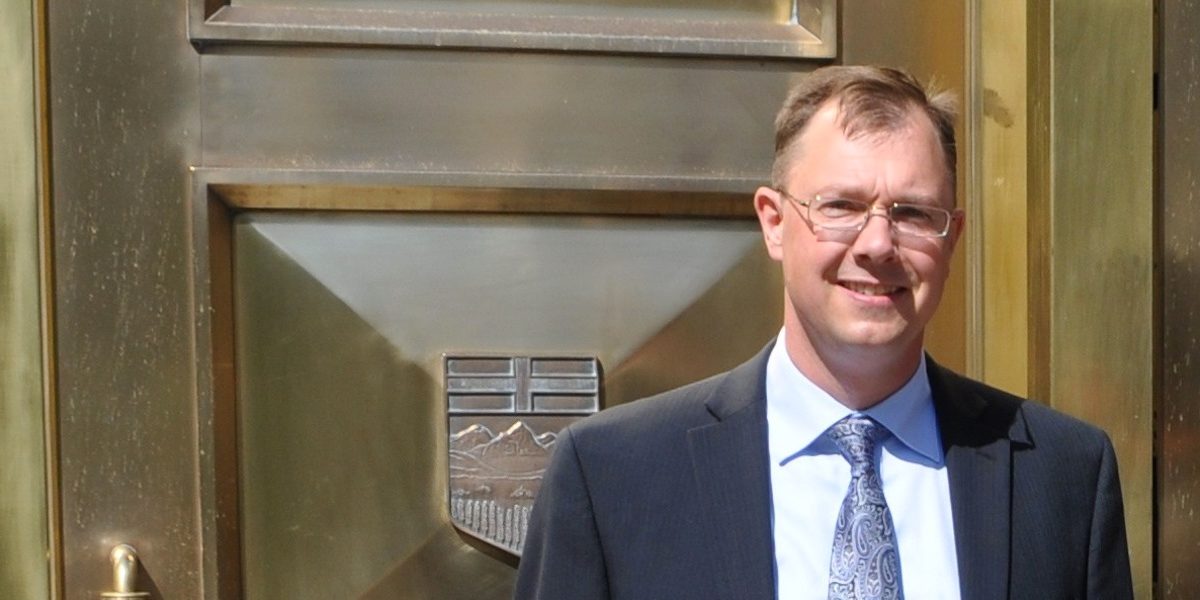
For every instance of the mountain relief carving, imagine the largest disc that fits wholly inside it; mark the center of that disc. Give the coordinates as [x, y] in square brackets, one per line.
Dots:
[494, 478]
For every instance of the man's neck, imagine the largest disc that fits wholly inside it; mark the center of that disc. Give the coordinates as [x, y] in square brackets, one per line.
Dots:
[859, 378]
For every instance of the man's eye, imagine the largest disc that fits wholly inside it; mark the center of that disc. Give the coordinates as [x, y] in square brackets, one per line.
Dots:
[912, 214]
[839, 207]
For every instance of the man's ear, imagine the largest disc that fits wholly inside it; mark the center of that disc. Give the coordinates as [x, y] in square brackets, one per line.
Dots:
[768, 205]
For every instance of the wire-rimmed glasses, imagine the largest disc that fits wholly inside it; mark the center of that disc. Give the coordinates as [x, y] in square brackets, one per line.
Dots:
[840, 214]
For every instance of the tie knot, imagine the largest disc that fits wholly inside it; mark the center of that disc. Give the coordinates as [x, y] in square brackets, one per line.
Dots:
[856, 436]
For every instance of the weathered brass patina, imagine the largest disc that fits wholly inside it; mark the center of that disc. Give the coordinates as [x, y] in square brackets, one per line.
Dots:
[1178, 422]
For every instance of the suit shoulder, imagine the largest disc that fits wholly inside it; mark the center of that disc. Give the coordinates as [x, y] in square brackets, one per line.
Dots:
[682, 407]
[1050, 427]
[1043, 425]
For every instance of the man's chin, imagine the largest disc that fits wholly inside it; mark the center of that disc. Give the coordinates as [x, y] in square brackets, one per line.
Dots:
[879, 338]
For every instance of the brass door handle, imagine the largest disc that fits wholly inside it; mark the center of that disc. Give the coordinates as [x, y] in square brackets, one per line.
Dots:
[125, 573]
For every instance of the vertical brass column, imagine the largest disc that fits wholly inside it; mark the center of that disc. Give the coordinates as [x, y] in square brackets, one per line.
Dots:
[997, 202]
[1091, 233]
[24, 540]
[1179, 413]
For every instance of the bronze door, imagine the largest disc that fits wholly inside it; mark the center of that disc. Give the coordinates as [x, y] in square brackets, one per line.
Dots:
[277, 224]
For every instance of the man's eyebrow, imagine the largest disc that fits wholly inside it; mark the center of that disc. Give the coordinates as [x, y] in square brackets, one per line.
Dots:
[918, 199]
[860, 193]
[847, 192]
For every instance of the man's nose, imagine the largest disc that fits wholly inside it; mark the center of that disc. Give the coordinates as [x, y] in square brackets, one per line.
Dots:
[876, 239]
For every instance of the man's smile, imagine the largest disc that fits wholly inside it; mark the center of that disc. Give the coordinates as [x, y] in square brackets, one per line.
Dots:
[871, 289]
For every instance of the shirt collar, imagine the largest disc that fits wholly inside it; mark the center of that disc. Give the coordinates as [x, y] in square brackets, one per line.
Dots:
[799, 412]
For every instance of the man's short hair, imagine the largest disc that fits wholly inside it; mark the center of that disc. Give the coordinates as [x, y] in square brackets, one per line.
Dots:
[872, 100]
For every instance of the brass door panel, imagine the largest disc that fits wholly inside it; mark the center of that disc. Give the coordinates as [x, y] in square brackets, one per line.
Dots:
[699, 124]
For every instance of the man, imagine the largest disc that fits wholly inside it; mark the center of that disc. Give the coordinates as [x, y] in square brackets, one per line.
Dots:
[841, 462]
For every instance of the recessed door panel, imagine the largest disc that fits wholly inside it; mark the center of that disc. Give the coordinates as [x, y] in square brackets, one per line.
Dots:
[342, 325]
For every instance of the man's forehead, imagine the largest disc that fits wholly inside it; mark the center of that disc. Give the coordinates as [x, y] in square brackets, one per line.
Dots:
[858, 127]
[830, 120]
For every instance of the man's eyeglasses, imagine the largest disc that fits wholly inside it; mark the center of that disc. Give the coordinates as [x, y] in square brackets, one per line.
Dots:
[839, 214]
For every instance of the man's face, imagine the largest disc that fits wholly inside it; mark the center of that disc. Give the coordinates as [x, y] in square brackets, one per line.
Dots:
[875, 290]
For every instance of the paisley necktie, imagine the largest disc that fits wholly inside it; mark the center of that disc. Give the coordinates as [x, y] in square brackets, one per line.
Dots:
[865, 564]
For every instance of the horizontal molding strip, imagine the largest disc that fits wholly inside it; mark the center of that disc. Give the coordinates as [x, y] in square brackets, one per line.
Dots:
[811, 36]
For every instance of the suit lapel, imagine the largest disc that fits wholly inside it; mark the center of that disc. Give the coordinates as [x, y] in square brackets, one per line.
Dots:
[729, 460]
[976, 436]
[980, 497]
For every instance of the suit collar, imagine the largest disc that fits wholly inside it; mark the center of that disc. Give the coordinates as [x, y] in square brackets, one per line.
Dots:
[730, 466]
[741, 388]
[978, 435]
[959, 403]
[799, 412]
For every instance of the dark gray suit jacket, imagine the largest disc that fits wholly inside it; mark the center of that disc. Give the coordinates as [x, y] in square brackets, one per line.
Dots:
[669, 497]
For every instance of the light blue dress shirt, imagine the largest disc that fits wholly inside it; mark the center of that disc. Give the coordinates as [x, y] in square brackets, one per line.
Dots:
[809, 479]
